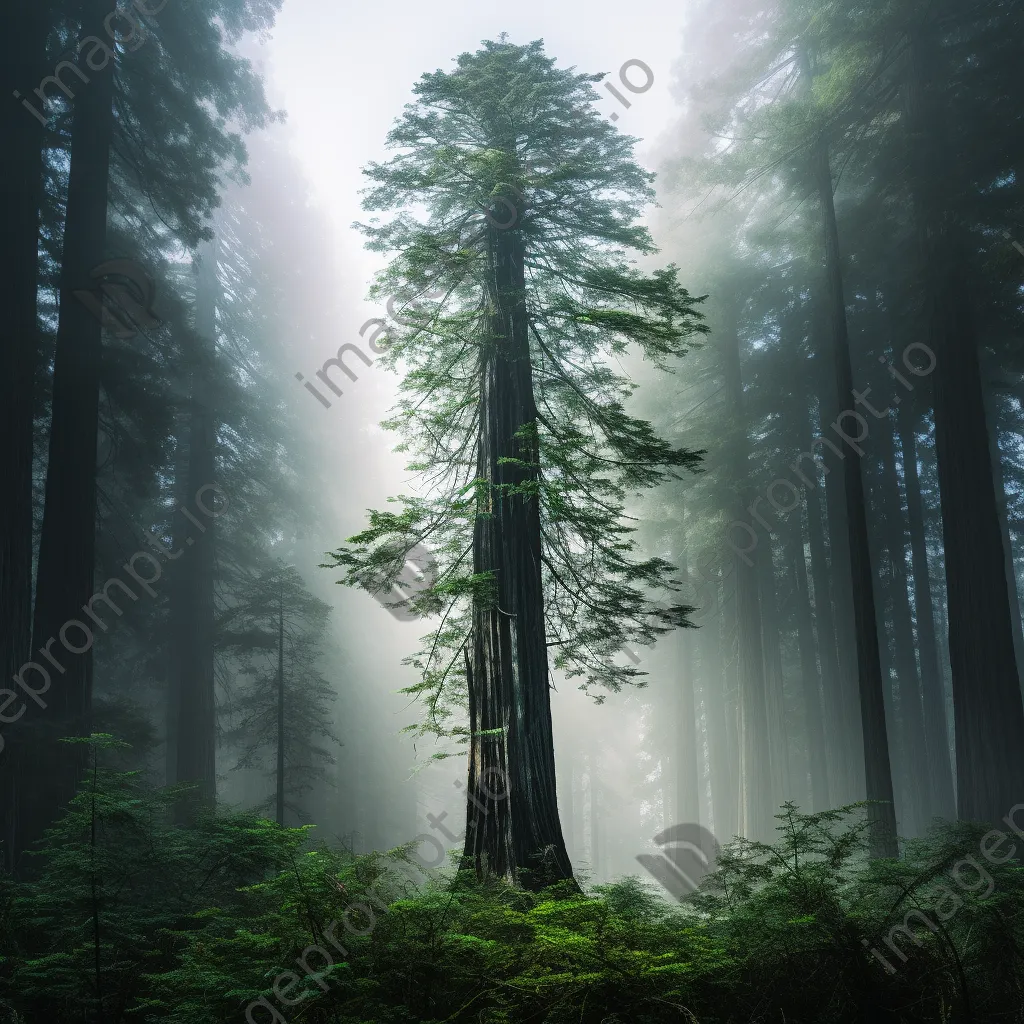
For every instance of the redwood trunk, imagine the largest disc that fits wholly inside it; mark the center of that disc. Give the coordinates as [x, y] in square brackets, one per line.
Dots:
[877, 772]
[193, 607]
[65, 572]
[988, 713]
[755, 767]
[685, 753]
[940, 770]
[814, 727]
[843, 691]
[512, 812]
[717, 685]
[23, 31]
[987, 706]
[999, 484]
[279, 779]
[778, 740]
[840, 730]
[908, 686]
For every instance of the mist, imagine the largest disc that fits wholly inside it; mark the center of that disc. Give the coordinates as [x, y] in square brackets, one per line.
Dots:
[539, 489]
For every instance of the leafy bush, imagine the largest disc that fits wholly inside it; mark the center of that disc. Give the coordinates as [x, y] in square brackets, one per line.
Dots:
[130, 917]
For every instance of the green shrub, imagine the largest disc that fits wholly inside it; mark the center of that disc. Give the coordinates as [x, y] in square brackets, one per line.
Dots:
[233, 915]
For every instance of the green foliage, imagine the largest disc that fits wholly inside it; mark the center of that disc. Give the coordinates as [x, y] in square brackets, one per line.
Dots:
[114, 882]
[195, 925]
[249, 630]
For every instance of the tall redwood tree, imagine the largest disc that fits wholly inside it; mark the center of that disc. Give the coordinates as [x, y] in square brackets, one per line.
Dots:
[515, 413]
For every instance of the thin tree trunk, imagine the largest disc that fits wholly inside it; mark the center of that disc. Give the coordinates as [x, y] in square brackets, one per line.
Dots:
[732, 710]
[594, 780]
[912, 728]
[178, 534]
[702, 734]
[567, 801]
[370, 770]
[170, 720]
[193, 607]
[940, 771]
[850, 785]
[992, 420]
[826, 342]
[814, 727]
[713, 692]
[580, 802]
[840, 754]
[280, 705]
[900, 761]
[756, 806]
[24, 26]
[687, 759]
[512, 808]
[778, 740]
[877, 772]
[66, 568]
[684, 750]
[841, 590]
[890, 694]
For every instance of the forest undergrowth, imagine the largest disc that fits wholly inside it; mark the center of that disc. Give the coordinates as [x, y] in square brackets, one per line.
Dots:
[233, 918]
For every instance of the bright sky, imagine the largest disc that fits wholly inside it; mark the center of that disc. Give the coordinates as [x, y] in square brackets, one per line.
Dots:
[344, 72]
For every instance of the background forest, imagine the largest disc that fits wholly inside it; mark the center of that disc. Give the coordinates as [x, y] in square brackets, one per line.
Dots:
[709, 449]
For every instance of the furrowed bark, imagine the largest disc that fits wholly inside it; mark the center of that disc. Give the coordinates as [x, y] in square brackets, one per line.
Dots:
[24, 28]
[987, 705]
[940, 770]
[66, 567]
[512, 814]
